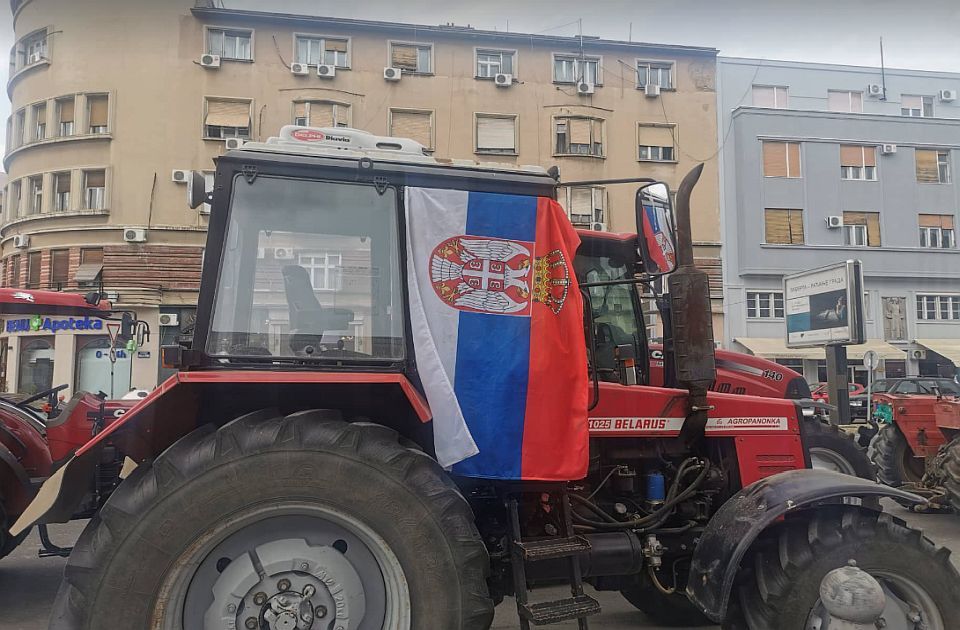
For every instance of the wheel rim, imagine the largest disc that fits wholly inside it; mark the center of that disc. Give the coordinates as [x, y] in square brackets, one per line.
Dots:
[908, 606]
[912, 468]
[290, 566]
[826, 459]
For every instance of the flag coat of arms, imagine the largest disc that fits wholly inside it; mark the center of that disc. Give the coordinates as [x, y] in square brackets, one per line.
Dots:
[497, 322]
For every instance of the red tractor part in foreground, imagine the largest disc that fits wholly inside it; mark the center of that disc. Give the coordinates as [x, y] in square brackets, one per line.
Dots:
[286, 474]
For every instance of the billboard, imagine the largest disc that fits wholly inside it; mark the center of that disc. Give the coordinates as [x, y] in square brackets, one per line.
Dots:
[825, 306]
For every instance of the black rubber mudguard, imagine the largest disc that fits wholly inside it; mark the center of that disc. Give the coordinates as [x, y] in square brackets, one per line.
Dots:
[739, 521]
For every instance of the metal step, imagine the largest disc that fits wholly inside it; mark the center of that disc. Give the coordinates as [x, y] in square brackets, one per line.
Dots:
[548, 548]
[544, 613]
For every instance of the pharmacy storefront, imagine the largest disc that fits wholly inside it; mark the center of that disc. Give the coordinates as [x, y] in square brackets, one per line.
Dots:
[40, 352]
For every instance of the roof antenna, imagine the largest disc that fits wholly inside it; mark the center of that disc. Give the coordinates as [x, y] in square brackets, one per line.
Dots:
[883, 73]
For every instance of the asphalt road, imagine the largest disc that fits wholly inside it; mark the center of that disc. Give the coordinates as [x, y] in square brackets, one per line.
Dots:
[28, 583]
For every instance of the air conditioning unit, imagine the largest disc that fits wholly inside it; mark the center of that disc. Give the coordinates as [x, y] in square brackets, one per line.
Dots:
[180, 176]
[169, 319]
[234, 143]
[652, 90]
[283, 253]
[834, 222]
[503, 80]
[326, 71]
[888, 149]
[34, 57]
[597, 226]
[874, 89]
[948, 95]
[135, 235]
[210, 61]
[585, 88]
[392, 74]
[918, 354]
[21, 241]
[300, 69]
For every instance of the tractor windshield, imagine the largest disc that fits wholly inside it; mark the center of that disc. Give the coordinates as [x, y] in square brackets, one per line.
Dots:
[310, 269]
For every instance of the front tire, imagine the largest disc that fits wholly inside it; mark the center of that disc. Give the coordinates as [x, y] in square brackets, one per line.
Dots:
[780, 580]
[948, 471]
[832, 449]
[7, 542]
[891, 454]
[233, 525]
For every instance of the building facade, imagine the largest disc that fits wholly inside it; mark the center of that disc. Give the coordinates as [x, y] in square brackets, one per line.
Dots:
[115, 101]
[828, 163]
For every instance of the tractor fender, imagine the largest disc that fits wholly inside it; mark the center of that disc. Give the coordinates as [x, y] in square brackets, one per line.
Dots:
[168, 413]
[739, 521]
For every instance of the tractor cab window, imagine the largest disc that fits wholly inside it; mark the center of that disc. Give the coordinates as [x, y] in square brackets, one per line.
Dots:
[310, 269]
[616, 317]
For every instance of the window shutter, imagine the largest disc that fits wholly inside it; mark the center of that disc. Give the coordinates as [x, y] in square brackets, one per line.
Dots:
[869, 156]
[404, 57]
[655, 136]
[413, 125]
[873, 228]
[579, 131]
[299, 110]
[851, 155]
[911, 102]
[338, 45]
[66, 111]
[763, 96]
[581, 201]
[854, 218]
[96, 179]
[98, 110]
[775, 159]
[838, 101]
[496, 133]
[944, 221]
[856, 102]
[927, 166]
[321, 115]
[796, 226]
[793, 159]
[62, 182]
[59, 265]
[777, 226]
[228, 113]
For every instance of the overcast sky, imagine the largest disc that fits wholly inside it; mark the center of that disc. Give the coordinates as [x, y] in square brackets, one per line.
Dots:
[920, 34]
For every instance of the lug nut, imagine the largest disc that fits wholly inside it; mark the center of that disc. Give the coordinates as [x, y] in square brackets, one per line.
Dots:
[284, 585]
[260, 599]
[251, 623]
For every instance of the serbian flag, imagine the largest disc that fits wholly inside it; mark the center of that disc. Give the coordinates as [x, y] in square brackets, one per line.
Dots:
[655, 227]
[497, 322]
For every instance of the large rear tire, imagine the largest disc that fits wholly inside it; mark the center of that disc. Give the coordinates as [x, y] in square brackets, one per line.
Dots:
[780, 577]
[7, 542]
[891, 454]
[948, 471]
[230, 526]
[832, 449]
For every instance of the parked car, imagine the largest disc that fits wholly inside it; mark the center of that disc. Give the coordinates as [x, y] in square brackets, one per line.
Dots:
[821, 392]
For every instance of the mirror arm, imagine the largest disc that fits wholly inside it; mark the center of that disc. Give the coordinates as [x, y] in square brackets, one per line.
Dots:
[684, 223]
[597, 182]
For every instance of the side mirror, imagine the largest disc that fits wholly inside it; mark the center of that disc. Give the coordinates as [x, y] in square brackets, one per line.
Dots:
[656, 229]
[196, 190]
[93, 298]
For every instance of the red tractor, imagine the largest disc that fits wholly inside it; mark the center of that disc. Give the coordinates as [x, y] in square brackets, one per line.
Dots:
[34, 443]
[287, 475]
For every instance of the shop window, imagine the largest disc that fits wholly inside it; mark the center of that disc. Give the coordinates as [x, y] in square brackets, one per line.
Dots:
[95, 372]
[36, 365]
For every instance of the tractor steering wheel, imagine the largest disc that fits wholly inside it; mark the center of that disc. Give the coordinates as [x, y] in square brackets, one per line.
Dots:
[45, 393]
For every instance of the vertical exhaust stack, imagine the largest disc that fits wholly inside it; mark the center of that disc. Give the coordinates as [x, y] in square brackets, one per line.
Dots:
[692, 318]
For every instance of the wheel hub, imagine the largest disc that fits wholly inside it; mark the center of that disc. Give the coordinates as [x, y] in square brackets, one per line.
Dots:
[287, 585]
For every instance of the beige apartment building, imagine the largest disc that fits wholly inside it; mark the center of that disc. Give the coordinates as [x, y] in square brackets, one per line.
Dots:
[115, 100]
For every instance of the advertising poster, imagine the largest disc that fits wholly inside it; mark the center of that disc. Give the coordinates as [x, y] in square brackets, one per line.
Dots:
[824, 306]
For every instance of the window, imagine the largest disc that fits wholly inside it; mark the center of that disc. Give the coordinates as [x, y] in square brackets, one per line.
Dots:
[95, 371]
[916, 106]
[15, 271]
[97, 113]
[844, 101]
[655, 73]
[59, 267]
[781, 159]
[496, 134]
[230, 44]
[324, 269]
[94, 189]
[321, 114]
[783, 227]
[227, 119]
[65, 117]
[413, 124]
[34, 267]
[36, 194]
[933, 167]
[321, 50]
[490, 63]
[938, 307]
[585, 205]
[36, 365]
[61, 192]
[91, 256]
[936, 231]
[770, 96]
[578, 136]
[19, 126]
[573, 69]
[16, 194]
[858, 162]
[32, 49]
[861, 229]
[412, 58]
[765, 304]
[655, 142]
[39, 121]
